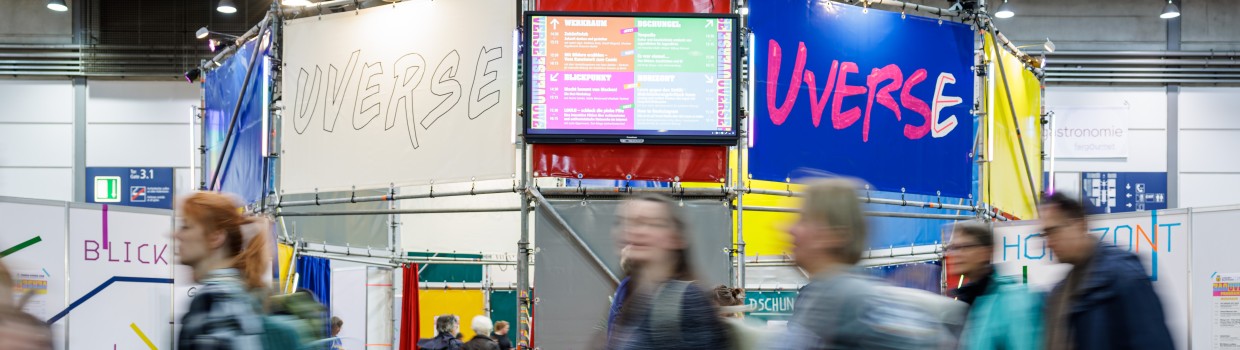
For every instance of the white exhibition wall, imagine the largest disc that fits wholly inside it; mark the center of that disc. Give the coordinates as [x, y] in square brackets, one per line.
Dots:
[1209, 130]
[348, 293]
[129, 123]
[88, 281]
[1209, 138]
[36, 139]
[363, 111]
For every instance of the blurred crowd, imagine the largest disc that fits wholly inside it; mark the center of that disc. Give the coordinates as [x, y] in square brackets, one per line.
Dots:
[1106, 301]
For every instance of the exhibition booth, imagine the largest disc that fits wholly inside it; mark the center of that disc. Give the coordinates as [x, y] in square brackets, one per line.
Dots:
[466, 157]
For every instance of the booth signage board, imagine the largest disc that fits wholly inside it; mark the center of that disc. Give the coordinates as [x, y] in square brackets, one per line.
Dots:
[405, 94]
[1160, 238]
[135, 187]
[1097, 132]
[869, 94]
[773, 308]
[1123, 192]
[616, 78]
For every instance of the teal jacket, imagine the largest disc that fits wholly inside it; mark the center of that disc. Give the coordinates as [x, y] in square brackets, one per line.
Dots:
[1006, 316]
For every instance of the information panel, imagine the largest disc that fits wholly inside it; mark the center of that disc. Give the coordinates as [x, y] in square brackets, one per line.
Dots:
[639, 78]
[135, 187]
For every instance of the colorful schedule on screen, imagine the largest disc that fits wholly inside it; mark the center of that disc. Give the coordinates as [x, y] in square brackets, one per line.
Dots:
[631, 76]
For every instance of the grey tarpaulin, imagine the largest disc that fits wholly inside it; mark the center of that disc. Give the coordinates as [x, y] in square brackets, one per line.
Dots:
[573, 295]
[356, 231]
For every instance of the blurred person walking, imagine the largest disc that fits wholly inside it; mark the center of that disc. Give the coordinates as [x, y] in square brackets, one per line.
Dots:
[1107, 300]
[337, 324]
[501, 335]
[19, 330]
[446, 327]
[664, 309]
[841, 307]
[482, 339]
[1003, 313]
[228, 253]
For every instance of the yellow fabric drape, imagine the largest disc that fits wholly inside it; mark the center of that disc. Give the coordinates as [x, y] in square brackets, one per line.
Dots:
[284, 257]
[463, 303]
[1004, 181]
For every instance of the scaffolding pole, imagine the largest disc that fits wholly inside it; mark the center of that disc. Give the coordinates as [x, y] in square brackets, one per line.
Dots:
[567, 229]
[393, 197]
[401, 211]
[872, 213]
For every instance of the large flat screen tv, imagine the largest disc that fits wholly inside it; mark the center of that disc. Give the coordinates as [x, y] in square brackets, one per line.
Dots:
[631, 78]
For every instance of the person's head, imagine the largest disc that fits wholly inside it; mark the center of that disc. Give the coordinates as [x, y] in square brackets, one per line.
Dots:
[447, 324]
[1067, 232]
[501, 327]
[481, 325]
[831, 228]
[728, 296]
[652, 232]
[214, 234]
[337, 323]
[6, 286]
[971, 248]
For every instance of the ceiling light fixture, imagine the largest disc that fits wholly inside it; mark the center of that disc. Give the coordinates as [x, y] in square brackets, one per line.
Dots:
[1005, 10]
[57, 5]
[1170, 11]
[226, 6]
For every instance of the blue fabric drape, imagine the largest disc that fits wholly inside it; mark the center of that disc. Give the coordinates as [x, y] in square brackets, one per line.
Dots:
[926, 276]
[316, 276]
[242, 170]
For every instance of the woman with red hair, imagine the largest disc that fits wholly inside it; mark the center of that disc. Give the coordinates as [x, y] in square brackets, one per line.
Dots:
[228, 252]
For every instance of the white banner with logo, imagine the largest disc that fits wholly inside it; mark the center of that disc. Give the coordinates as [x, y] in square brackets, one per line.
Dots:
[410, 93]
[1159, 238]
[1090, 132]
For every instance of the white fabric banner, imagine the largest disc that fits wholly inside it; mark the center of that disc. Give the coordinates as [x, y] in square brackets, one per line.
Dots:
[1090, 132]
[410, 93]
[1160, 238]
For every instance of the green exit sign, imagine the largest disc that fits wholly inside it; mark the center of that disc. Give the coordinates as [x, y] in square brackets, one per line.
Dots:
[107, 189]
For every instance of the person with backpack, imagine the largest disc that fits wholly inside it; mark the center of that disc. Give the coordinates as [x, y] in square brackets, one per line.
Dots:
[1004, 313]
[842, 307]
[664, 309]
[228, 253]
[446, 329]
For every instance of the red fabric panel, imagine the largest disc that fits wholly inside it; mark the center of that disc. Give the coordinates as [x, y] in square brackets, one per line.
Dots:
[642, 162]
[409, 315]
[694, 6]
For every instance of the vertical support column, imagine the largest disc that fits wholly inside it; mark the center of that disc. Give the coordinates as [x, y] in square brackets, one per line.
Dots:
[742, 143]
[524, 299]
[1173, 118]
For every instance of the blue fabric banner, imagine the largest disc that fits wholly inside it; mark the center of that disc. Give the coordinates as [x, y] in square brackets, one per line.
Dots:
[870, 94]
[242, 170]
[315, 275]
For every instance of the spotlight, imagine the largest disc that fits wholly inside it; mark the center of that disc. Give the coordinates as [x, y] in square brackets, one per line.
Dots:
[192, 75]
[202, 33]
[226, 6]
[57, 5]
[1005, 11]
[1170, 11]
[216, 44]
[1048, 46]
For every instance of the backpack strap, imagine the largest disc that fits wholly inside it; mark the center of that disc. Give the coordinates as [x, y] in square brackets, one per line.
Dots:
[665, 312]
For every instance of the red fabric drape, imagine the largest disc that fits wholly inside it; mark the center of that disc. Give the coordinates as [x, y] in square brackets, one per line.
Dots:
[409, 327]
[632, 162]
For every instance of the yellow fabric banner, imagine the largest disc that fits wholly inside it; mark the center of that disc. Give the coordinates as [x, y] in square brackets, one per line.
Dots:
[1005, 182]
[284, 257]
[463, 303]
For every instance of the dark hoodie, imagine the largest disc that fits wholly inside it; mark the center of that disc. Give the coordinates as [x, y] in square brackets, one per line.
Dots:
[443, 341]
[1115, 306]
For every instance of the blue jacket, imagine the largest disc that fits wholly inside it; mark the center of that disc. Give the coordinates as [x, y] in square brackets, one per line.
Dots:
[1116, 307]
[1006, 315]
[622, 293]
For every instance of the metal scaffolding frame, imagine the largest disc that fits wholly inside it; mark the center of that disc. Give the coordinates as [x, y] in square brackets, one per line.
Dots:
[533, 198]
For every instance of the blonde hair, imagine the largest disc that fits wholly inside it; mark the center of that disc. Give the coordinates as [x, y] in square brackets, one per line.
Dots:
[834, 202]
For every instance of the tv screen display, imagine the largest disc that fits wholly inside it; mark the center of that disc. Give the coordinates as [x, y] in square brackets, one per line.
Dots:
[631, 78]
